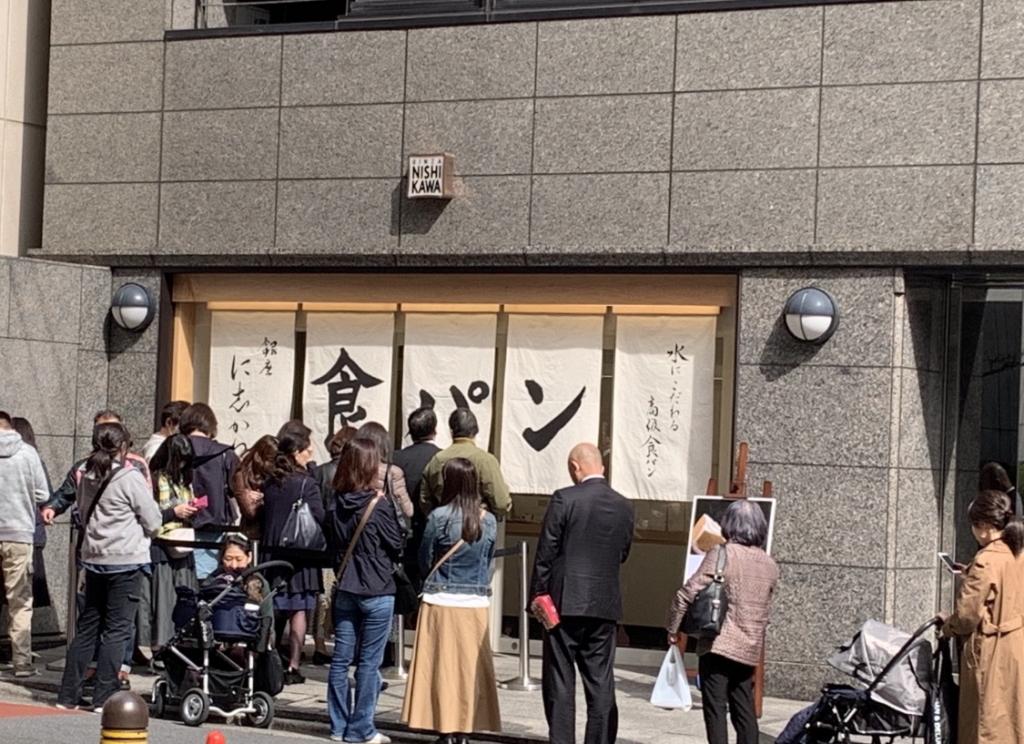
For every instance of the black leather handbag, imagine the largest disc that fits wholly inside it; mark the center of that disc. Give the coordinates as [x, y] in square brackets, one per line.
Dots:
[706, 614]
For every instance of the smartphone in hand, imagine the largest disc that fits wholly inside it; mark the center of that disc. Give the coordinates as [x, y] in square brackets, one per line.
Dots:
[952, 566]
[201, 502]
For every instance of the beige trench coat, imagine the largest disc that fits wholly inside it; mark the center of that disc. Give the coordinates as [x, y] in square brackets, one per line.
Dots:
[989, 618]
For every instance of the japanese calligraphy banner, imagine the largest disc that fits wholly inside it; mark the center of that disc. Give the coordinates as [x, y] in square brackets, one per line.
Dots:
[448, 363]
[663, 408]
[552, 397]
[348, 373]
[252, 368]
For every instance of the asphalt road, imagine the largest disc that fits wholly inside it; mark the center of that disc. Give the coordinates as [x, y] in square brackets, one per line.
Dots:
[37, 724]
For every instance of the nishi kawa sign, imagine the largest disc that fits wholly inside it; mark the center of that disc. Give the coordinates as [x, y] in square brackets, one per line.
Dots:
[431, 176]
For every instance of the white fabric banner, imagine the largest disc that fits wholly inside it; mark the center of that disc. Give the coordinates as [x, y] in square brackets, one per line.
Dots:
[552, 397]
[449, 360]
[252, 370]
[348, 373]
[663, 406]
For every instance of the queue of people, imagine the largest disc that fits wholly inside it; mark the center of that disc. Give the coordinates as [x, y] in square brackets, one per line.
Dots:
[430, 514]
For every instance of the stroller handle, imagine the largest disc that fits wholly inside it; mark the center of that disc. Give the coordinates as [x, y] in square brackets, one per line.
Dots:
[264, 566]
[903, 652]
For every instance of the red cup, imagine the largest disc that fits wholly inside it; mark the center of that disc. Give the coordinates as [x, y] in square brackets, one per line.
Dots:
[543, 608]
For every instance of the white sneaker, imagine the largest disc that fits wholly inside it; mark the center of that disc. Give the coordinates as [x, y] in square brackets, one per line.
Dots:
[378, 738]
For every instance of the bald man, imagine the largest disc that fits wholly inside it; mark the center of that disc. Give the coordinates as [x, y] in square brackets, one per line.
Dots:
[585, 539]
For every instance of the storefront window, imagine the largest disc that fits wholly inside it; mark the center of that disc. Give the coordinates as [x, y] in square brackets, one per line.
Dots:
[644, 365]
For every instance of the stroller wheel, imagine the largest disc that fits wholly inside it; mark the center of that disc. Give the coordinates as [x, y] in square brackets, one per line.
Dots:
[158, 706]
[195, 707]
[264, 715]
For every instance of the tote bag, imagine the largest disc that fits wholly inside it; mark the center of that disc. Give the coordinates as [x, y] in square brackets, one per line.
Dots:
[672, 689]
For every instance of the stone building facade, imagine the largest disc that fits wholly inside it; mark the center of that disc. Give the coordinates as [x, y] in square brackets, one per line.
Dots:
[870, 149]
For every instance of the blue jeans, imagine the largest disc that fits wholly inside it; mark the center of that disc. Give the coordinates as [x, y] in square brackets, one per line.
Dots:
[361, 625]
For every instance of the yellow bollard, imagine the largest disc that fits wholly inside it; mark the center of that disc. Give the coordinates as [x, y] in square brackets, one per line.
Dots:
[125, 718]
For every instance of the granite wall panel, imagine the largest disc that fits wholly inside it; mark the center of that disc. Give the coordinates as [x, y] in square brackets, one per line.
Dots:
[749, 49]
[764, 210]
[357, 67]
[99, 78]
[101, 21]
[100, 219]
[327, 143]
[746, 129]
[901, 42]
[472, 62]
[231, 145]
[486, 137]
[606, 56]
[606, 134]
[103, 148]
[240, 72]
[898, 124]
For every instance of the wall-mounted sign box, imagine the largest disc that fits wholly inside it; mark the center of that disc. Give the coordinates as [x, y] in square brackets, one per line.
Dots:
[431, 176]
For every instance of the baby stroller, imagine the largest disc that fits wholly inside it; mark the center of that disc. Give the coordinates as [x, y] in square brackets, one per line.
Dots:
[903, 688]
[221, 659]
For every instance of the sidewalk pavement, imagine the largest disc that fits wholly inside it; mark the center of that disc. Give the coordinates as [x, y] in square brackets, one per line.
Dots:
[522, 713]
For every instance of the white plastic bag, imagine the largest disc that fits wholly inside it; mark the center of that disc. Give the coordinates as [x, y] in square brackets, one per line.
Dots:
[672, 690]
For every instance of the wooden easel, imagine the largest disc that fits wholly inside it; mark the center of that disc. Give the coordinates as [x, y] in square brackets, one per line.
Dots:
[738, 490]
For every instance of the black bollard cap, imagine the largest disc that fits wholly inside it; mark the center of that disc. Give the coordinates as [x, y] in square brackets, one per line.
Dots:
[125, 711]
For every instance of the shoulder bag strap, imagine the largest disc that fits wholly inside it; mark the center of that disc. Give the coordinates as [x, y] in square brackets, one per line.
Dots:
[363, 521]
[444, 559]
[92, 510]
[720, 566]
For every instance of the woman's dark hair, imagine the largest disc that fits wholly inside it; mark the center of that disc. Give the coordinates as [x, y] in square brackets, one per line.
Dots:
[357, 469]
[174, 459]
[994, 478]
[258, 462]
[109, 441]
[744, 524]
[198, 417]
[239, 541]
[379, 435]
[293, 426]
[171, 412]
[336, 442]
[462, 489]
[292, 441]
[24, 428]
[995, 509]
[463, 424]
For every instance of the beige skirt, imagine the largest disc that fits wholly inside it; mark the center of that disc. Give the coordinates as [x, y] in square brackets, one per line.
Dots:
[451, 686]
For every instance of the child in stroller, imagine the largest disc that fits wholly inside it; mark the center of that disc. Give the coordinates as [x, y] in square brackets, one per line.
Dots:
[221, 659]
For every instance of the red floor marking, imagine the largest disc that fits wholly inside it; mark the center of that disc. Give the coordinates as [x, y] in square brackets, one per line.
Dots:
[16, 710]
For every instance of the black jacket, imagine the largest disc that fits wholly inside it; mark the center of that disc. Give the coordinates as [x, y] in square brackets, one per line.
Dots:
[369, 572]
[279, 496]
[585, 538]
[413, 460]
[212, 478]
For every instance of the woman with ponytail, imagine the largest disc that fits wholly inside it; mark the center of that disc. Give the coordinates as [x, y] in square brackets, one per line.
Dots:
[286, 481]
[989, 617]
[119, 515]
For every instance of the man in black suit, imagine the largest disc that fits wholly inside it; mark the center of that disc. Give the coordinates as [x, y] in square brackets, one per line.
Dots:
[413, 460]
[584, 541]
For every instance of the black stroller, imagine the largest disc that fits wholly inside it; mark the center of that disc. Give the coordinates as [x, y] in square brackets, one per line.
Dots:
[221, 659]
[903, 689]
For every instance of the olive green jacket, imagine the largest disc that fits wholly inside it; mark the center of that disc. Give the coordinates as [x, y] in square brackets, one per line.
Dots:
[493, 488]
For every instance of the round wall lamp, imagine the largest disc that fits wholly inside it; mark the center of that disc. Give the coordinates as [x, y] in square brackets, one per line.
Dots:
[811, 315]
[132, 307]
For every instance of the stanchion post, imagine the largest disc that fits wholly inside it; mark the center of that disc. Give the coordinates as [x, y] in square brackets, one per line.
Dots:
[72, 615]
[397, 672]
[523, 683]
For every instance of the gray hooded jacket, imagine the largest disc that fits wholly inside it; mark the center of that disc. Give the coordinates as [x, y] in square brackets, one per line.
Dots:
[23, 488]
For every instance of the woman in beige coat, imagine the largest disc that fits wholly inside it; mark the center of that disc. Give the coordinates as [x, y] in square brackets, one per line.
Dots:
[989, 618]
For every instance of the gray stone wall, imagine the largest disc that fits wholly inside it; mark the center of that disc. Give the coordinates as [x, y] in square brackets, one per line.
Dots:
[53, 364]
[850, 435]
[877, 133]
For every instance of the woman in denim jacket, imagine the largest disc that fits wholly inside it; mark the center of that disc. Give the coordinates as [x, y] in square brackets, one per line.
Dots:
[452, 689]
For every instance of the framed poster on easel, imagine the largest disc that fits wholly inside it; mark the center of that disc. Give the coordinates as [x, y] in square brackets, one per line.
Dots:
[705, 521]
